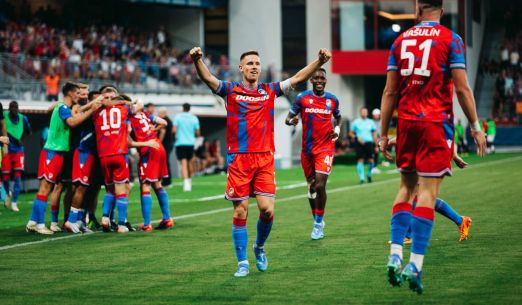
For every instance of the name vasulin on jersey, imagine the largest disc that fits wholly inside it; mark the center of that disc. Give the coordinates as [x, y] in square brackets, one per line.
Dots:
[422, 32]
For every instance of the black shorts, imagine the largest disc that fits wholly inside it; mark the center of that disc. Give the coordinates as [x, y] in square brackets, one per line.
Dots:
[364, 151]
[67, 167]
[184, 152]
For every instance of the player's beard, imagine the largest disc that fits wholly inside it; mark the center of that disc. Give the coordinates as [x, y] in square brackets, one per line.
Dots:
[82, 101]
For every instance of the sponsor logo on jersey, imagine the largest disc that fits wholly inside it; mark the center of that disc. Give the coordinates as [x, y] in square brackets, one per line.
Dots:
[421, 32]
[318, 110]
[246, 98]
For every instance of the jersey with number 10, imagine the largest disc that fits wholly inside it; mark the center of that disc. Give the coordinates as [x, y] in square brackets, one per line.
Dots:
[110, 125]
[424, 56]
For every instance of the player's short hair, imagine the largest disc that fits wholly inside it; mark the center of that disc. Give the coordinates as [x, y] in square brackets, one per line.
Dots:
[83, 86]
[186, 107]
[122, 97]
[108, 88]
[248, 53]
[13, 104]
[91, 95]
[148, 105]
[68, 87]
[321, 69]
[437, 4]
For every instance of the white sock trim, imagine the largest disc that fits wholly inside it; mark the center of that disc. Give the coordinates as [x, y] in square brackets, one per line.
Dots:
[396, 249]
[417, 259]
[243, 262]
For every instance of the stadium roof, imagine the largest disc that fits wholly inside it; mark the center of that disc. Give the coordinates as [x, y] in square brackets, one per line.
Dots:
[192, 3]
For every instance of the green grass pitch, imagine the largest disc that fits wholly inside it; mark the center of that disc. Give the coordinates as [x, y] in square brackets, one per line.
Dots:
[194, 262]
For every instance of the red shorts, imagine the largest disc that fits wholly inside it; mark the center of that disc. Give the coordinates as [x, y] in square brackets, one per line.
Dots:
[425, 147]
[153, 164]
[250, 174]
[13, 162]
[83, 167]
[50, 165]
[313, 163]
[115, 169]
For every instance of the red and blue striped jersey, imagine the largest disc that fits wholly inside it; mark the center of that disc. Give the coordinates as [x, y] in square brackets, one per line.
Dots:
[110, 126]
[250, 116]
[424, 55]
[316, 116]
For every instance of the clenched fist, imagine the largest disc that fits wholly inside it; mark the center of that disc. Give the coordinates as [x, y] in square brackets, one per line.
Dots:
[324, 55]
[196, 54]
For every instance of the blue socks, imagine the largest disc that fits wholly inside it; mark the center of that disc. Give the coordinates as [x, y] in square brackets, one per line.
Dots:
[73, 215]
[108, 200]
[421, 227]
[122, 203]
[264, 226]
[240, 237]
[318, 215]
[39, 207]
[163, 199]
[146, 207]
[17, 187]
[7, 185]
[370, 167]
[360, 170]
[400, 222]
[445, 209]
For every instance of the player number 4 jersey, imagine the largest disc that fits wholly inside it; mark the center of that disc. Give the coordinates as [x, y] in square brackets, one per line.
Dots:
[110, 125]
[316, 115]
[424, 57]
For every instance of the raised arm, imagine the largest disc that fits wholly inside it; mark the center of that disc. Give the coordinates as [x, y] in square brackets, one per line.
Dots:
[306, 72]
[202, 69]
[389, 98]
[467, 102]
[80, 117]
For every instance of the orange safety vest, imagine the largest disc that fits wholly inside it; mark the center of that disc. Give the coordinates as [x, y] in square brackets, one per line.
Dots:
[52, 84]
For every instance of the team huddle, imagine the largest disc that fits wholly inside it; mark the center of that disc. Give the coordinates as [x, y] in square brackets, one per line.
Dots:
[425, 64]
[106, 123]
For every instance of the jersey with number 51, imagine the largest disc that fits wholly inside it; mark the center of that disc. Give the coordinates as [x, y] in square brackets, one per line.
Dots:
[110, 125]
[424, 56]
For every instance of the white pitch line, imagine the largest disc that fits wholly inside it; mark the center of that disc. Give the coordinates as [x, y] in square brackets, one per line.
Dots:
[211, 212]
[221, 196]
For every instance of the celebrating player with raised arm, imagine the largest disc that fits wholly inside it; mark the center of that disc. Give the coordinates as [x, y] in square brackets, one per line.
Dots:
[317, 108]
[424, 91]
[250, 142]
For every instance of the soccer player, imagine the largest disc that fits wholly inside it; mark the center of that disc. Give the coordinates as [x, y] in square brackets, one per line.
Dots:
[66, 174]
[424, 90]
[317, 107]
[17, 126]
[51, 157]
[364, 131]
[110, 125]
[84, 165]
[152, 167]
[250, 142]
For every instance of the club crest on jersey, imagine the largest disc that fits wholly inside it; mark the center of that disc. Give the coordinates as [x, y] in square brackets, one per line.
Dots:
[328, 103]
[449, 142]
[311, 101]
[262, 91]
